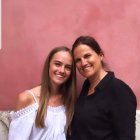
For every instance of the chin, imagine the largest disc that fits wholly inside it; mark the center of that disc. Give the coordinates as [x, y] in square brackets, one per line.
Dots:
[87, 75]
[60, 82]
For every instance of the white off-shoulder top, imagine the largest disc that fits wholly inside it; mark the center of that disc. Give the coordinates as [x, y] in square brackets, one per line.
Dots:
[22, 126]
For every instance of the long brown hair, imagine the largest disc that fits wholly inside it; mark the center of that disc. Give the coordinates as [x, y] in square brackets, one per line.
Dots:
[68, 90]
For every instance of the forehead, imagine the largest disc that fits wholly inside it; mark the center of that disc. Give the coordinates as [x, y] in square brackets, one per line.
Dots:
[82, 49]
[62, 56]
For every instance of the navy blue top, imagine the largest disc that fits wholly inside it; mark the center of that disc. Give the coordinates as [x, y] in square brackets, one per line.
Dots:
[107, 114]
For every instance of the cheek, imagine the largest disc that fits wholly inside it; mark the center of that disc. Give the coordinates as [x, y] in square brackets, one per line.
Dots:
[50, 70]
[68, 73]
[78, 66]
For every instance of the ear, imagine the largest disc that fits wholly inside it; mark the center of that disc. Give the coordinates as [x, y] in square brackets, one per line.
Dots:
[101, 56]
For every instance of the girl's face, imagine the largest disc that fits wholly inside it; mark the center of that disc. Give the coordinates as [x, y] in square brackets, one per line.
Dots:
[60, 68]
[88, 62]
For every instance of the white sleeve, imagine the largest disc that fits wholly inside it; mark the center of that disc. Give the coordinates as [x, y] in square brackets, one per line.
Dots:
[21, 123]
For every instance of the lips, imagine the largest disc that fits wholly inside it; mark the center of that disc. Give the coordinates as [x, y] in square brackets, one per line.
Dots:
[86, 67]
[60, 75]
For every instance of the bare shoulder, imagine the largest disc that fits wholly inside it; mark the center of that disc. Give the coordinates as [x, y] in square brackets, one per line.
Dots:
[36, 90]
[23, 100]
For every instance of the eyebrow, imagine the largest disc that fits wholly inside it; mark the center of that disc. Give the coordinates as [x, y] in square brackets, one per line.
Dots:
[57, 61]
[88, 53]
[62, 63]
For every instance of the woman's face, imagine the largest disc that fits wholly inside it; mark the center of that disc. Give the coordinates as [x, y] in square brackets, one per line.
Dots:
[60, 68]
[88, 62]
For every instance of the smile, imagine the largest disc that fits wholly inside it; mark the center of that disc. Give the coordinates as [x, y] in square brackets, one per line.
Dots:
[60, 76]
[85, 67]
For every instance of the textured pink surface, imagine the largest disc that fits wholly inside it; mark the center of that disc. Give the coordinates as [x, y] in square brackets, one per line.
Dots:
[31, 28]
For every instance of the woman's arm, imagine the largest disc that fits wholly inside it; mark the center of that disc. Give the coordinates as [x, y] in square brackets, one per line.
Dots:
[123, 112]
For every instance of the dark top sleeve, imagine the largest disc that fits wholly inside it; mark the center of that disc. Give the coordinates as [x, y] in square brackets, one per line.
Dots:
[123, 111]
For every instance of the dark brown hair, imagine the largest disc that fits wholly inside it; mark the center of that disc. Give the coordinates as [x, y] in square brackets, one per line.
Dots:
[90, 42]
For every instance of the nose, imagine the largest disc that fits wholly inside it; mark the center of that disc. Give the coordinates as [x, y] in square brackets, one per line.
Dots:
[83, 62]
[62, 69]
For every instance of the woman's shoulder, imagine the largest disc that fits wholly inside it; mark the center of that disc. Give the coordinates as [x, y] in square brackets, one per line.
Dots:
[36, 91]
[25, 98]
[121, 88]
[120, 84]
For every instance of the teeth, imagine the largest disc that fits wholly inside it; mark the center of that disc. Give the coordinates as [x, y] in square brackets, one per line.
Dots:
[86, 67]
[59, 75]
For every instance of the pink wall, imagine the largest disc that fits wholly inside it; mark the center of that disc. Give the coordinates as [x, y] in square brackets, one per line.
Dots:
[31, 28]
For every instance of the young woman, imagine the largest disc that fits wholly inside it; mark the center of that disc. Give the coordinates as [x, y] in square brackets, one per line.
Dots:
[45, 112]
[106, 107]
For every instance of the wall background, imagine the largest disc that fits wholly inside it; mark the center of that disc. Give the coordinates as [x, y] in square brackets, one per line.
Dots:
[31, 28]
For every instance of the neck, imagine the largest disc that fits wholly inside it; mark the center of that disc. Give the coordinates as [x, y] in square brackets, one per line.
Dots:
[55, 97]
[54, 90]
[94, 80]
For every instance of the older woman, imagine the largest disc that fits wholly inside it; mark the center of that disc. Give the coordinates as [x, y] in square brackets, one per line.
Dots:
[106, 107]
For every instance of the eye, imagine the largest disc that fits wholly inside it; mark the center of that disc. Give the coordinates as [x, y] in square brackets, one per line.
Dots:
[57, 64]
[68, 67]
[77, 60]
[87, 55]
